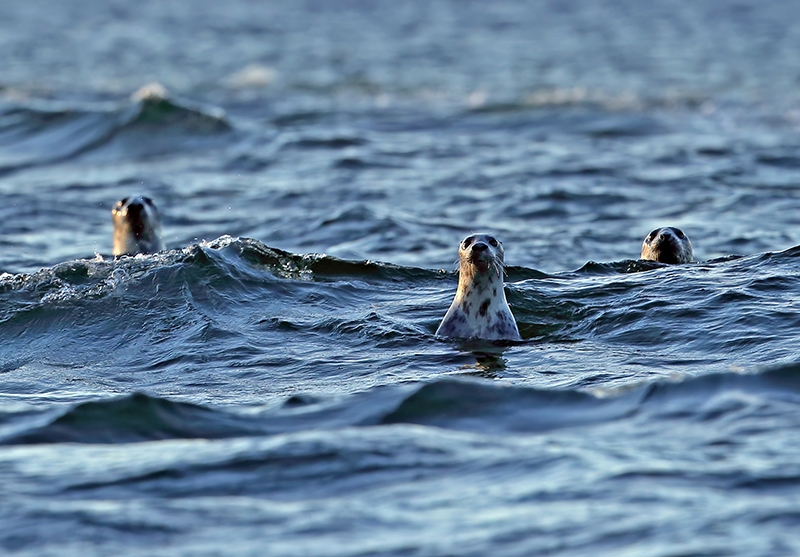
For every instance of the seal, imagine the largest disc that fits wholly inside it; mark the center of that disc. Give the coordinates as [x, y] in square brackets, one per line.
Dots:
[137, 226]
[479, 309]
[667, 245]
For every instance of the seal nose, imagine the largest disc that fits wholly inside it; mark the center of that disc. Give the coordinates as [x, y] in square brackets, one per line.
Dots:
[135, 207]
[665, 239]
[479, 247]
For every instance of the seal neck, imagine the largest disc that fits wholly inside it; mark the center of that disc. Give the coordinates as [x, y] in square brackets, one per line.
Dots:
[473, 282]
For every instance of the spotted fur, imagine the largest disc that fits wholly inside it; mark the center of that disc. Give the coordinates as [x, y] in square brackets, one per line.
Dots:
[480, 309]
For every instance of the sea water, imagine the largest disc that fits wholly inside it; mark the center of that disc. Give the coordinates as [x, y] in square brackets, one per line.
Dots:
[272, 385]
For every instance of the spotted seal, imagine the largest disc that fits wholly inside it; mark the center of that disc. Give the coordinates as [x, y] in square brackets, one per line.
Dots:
[479, 309]
[137, 226]
[667, 245]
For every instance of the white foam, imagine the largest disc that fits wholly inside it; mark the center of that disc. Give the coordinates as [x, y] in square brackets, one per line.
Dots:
[253, 76]
[151, 92]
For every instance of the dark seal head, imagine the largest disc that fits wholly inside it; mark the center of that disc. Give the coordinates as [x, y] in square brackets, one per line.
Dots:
[667, 245]
[479, 309]
[137, 226]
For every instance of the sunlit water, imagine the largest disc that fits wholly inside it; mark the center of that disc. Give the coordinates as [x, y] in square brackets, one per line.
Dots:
[272, 383]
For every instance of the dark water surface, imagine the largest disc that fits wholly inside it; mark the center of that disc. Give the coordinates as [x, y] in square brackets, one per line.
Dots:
[271, 385]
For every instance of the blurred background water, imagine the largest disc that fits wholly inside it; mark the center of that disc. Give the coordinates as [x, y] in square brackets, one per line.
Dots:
[272, 383]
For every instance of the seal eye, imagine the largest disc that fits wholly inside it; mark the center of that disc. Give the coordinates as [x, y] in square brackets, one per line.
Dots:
[653, 235]
[493, 242]
[468, 241]
[679, 233]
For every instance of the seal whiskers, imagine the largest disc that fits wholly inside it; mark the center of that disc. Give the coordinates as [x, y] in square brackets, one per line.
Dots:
[480, 309]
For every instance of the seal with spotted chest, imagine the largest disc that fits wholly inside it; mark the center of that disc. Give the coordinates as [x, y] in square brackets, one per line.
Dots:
[667, 245]
[137, 226]
[479, 309]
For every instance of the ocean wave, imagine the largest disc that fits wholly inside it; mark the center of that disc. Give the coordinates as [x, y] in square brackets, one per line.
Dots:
[582, 97]
[627, 303]
[236, 292]
[40, 133]
[475, 405]
[235, 257]
[134, 418]
[488, 407]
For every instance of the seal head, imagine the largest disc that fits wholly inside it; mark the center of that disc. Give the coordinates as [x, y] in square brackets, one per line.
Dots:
[667, 245]
[479, 309]
[137, 226]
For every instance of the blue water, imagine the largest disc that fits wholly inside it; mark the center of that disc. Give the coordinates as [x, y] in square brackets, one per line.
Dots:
[272, 384]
